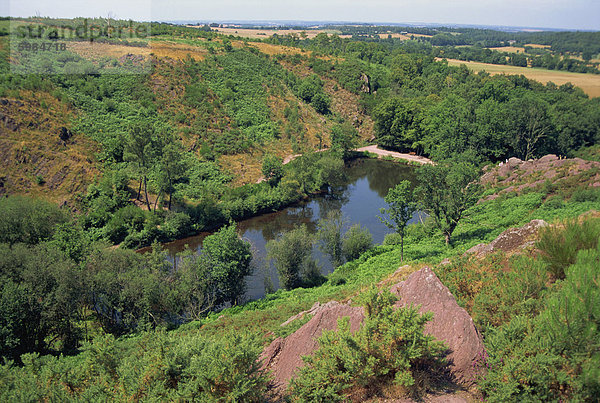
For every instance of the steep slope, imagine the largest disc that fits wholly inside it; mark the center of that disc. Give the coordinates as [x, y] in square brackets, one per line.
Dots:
[41, 156]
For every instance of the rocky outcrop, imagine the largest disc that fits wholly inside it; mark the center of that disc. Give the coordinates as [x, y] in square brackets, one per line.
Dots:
[516, 175]
[451, 324]
[284, 356]
[513, 239]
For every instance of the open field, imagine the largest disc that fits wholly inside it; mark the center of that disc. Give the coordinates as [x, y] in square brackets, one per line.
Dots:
[265, 33]
[404, 37]
[94, 50]
[177, 51]
[589, 83]
[509, 49]
[535, 45]
[159, 48]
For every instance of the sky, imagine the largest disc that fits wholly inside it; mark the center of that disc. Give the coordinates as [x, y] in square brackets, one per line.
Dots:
[569, 14]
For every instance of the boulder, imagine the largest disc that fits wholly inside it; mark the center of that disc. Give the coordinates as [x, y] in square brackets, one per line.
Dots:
[451, 323]
[510, 240]
[548, 158]
[514, 162]
[284, 356]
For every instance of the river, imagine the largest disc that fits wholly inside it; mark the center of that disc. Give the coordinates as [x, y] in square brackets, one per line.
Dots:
[359, 199]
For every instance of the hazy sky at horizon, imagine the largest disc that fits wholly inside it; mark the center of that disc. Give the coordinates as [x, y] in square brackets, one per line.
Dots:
[570, 14]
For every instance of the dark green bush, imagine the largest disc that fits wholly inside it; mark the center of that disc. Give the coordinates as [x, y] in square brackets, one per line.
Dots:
[553, 356]
[291, 255]
[154, 367]
[586, 195]
[27, 220]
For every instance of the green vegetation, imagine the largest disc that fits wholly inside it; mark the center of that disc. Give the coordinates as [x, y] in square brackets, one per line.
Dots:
[330, 236]
[157, 366]
[389, 347]
[83, 320]
[355, 242]
[28, 221]
[291, 255]
[446, 191]
[402, 207]
[229, 259]
[541, 339]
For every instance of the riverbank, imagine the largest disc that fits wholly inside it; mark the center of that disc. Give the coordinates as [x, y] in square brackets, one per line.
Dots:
[381, 153]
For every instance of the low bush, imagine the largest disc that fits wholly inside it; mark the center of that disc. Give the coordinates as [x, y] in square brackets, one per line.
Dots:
[389, 348]
[156, 367]
[355, 242]
[559, 244]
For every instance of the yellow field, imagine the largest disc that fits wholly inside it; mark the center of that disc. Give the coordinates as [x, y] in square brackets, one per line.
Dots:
[93, 50]
[509, 49]
[177, 51]
[589, 83]
[271, 50]
[265, 33]
[535, 45]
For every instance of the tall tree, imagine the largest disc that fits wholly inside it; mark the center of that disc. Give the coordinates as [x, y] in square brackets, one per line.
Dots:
[229, 258]
[272, 169]
[401, 208]
[139, 149]
[446, 190]
[170, 168]
[330, 236]
[343, 138]
[291, 253]
[529, 124]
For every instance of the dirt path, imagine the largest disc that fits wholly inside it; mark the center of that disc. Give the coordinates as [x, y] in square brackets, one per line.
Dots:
[374, 149]
[371, 149]
[385, 153]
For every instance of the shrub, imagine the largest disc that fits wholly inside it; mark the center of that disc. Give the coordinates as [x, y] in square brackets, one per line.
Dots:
[229, 259]
[125, 221]
[321, 103]
[355, 242]
[553, 356]
[27, 220]
[291, 253]
[585, 195]
[389, 347]
[272, 169]
[154, 366]
[559, 244]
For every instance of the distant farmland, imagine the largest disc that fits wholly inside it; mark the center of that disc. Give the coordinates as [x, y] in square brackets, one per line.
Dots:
[265, 33]
[589, 83]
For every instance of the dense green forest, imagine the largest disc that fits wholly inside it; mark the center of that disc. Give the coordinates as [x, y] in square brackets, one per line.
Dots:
[85, 317]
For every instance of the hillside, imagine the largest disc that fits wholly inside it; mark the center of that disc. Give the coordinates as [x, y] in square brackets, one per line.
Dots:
[112, 146]
[42, 156]
[507, 288]
[266, 118]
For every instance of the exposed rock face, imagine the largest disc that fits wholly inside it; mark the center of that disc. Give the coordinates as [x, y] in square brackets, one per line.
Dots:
[316, 308]
[284, 356]
[519, 175]
[451, 323]
[366, 85]
[510, 240]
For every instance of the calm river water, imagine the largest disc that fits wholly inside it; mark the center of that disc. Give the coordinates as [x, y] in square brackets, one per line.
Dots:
[359, 199]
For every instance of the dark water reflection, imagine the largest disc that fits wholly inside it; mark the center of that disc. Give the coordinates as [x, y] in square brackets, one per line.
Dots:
[359, 200]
